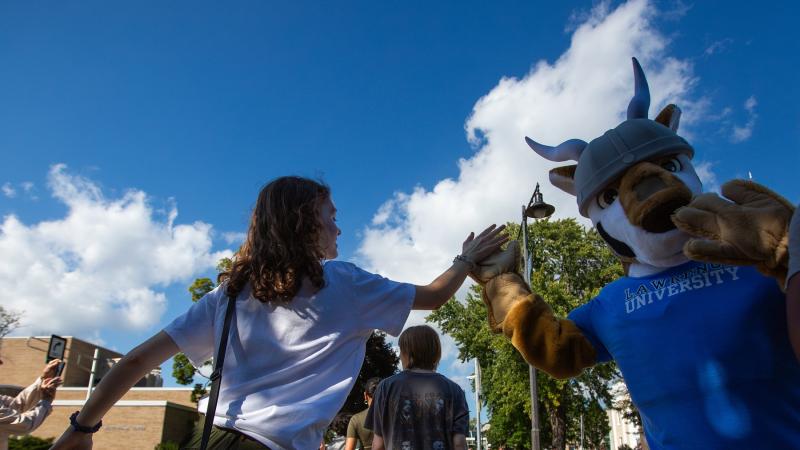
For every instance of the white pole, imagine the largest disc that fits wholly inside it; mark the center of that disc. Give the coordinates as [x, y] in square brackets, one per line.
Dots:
[531, 369]
[581, 431]
[478, 405]
[91, 374]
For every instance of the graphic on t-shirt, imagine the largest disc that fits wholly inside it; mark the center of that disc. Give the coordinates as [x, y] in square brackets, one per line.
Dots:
[695, 278]
[421, 416]
[407, 412]
[418, 411]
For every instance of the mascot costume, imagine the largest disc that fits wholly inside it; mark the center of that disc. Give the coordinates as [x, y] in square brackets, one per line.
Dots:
[698, 324]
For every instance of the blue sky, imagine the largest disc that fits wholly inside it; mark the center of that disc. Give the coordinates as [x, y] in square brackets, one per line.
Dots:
[116, 117]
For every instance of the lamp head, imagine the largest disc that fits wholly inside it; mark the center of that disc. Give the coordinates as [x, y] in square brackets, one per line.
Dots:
[537, 208]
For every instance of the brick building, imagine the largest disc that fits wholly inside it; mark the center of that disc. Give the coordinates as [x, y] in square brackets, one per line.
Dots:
[146, 416]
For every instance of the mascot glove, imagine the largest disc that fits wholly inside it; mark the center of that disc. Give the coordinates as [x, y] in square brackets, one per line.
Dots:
[500, 262]
[750, 226]
[500, 294]
[794, 245]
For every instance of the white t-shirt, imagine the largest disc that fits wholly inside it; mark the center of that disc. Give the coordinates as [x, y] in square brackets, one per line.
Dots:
[289, 367]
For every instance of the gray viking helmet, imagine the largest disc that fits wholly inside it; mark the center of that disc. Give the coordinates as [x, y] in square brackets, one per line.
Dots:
[605, 158]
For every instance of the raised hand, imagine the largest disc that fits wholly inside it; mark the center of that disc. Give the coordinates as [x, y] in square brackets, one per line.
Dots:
[51, 369]
[497, 263]
[49, 387]
[747, 227]
[477, 248]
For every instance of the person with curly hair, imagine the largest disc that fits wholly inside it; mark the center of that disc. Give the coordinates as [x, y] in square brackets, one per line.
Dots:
[300, 326]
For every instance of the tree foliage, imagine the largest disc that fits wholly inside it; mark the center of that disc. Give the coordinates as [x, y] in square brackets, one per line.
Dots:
[201, 287]
[570, 265]
[9, 321]
[380, 361]
[29, 443]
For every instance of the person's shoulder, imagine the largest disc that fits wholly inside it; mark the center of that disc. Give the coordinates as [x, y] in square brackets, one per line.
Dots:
[388, 382]
[453, 385]
[360, 416]
[336, 268]
[214, 296]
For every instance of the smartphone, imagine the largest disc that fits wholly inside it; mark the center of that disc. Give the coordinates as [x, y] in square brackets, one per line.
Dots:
[60, 368]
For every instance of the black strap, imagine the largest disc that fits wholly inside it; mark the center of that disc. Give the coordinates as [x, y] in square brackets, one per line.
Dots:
[216, 376]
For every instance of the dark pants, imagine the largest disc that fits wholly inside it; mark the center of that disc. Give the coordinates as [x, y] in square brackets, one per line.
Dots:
[222, 439]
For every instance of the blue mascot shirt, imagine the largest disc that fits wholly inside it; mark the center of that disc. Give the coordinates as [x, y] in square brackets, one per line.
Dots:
[705, 355]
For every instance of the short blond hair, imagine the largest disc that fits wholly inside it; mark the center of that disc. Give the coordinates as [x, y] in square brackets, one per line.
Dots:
[422, 347]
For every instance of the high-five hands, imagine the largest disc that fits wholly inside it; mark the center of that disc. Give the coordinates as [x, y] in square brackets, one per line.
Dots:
[477, 248]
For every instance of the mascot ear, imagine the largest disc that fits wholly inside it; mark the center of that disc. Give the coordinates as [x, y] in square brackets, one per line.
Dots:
[564, 178]
[670, 117]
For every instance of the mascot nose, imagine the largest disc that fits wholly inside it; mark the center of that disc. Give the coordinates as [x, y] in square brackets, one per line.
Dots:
[650, 194]
[648, 186]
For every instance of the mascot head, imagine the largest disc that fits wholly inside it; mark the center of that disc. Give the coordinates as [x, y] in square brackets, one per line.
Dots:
[631, 179]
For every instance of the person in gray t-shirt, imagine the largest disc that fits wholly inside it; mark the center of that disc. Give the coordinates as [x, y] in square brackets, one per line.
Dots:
[418, 408]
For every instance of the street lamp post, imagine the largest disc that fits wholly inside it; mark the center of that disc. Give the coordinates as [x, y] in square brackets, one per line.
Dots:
[477, 378]
[536, 209]
[478, 442]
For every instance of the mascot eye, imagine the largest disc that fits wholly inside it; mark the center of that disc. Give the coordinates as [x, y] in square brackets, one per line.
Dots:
[671, 165]
[606, 198]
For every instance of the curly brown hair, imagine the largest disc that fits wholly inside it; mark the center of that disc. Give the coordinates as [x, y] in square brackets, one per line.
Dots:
[282, 244]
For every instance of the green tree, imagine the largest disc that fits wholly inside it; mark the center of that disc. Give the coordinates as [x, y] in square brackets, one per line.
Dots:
[29, 443]
[570, 265]
[201, 287]
[9, 321]
[381, 361]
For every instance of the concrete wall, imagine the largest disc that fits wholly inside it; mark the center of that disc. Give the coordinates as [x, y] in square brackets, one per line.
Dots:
[143, 418]
[25, 357]
[179, 396]
[134, 425]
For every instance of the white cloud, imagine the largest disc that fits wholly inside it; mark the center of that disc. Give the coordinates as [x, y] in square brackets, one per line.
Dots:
[718, 46]
[707, 176]
[750, 104]
[741, 133]
[415, 235]
[104, 264]
[233, 237]
[8, 190]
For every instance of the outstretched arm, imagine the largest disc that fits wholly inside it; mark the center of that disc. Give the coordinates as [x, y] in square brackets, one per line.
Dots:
[474, 250]
[556, 346]
[23, 415]
[130, 369]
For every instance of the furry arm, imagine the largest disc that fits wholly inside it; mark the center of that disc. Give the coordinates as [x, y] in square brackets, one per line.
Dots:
[556, 346]
[750, 226]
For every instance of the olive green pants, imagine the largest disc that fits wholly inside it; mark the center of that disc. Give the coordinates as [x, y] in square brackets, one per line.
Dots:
[222, 439]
